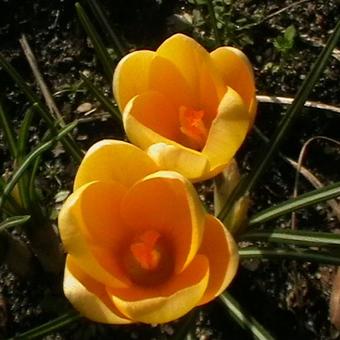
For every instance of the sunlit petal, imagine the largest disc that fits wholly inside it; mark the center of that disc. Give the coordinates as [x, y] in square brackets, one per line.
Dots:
[113, 160]
[166, 79]
[167, 302]
[153, 110]
[77, 234]
[89, 296]
[220, 248]
[195, 65]
[190, 163]
[237, 73]
[131, 76]
[227, 131]
[167, 202]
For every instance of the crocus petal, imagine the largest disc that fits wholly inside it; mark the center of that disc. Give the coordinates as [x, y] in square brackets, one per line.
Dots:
[154, 110]
[167, 302]
[166, 153]
[212, 89]
[138, 133]
[77, 238]
[131, 76]
[237, 73]
[227, 131]
[166, 79]
[190, 163]
[166, 202]
[113, 160]
[192, 60]
[220, 248]
[89, 297]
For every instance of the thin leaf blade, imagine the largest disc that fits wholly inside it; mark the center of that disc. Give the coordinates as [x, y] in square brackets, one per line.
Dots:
[243, 318]
[305, 200]
[297, 237]
[13, 221]
[268, 153]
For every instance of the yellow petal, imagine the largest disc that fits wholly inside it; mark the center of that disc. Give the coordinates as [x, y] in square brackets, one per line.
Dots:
[166, 153]
[167, 202]
[138, 133]
[166, 79]
[89, 297]
[195, 65]
[76, 234]
[113, 160]
[237, 73]
[167, 302]
[155, 111]
[190, 163]
[131, 76]
[212, 90]
[227, 132]
[220, 248]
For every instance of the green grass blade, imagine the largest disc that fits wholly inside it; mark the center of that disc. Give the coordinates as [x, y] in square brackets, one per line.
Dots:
[11, 207]
[22, 145]
[213, 22]
[24, 132]
[107, 104]
[102, 19]
[67, 140]
[13, 221]
[49, 327]
[9, 133]
[243, 318]
[97, 42]
[266, 156]
[305, 200]
[297, 237]
[31, 182]
[70, 145]
[332, 258]
[31, 158]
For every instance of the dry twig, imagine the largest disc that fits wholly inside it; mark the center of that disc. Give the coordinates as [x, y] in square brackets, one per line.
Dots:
[39, 78]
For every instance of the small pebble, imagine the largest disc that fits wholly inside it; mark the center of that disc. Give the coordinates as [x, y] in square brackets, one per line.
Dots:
[85, 107]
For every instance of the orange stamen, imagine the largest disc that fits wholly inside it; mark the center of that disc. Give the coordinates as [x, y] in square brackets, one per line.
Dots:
[145, 251]
[148, 259]
[193, 127]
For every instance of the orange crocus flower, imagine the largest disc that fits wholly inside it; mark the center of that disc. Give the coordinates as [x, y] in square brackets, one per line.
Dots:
[189, 109]
[141, 247]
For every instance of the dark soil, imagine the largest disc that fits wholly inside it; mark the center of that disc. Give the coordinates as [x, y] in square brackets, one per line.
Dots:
[290, 299]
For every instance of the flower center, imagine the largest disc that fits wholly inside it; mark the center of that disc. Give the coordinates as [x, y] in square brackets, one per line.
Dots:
[145, 251]
[148, 260]
[193, 127]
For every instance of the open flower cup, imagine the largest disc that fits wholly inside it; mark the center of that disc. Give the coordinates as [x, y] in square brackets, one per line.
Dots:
[141, 247]
[190, 110]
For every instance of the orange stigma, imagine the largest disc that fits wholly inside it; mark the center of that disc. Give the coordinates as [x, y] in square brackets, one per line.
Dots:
[145, 251]
[148, 258]
[192, 127]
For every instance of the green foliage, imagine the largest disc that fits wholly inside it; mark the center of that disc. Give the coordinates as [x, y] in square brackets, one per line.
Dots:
[220, 23]
[285, 43]
[31, 157]
[97, 42]
[198, 2]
